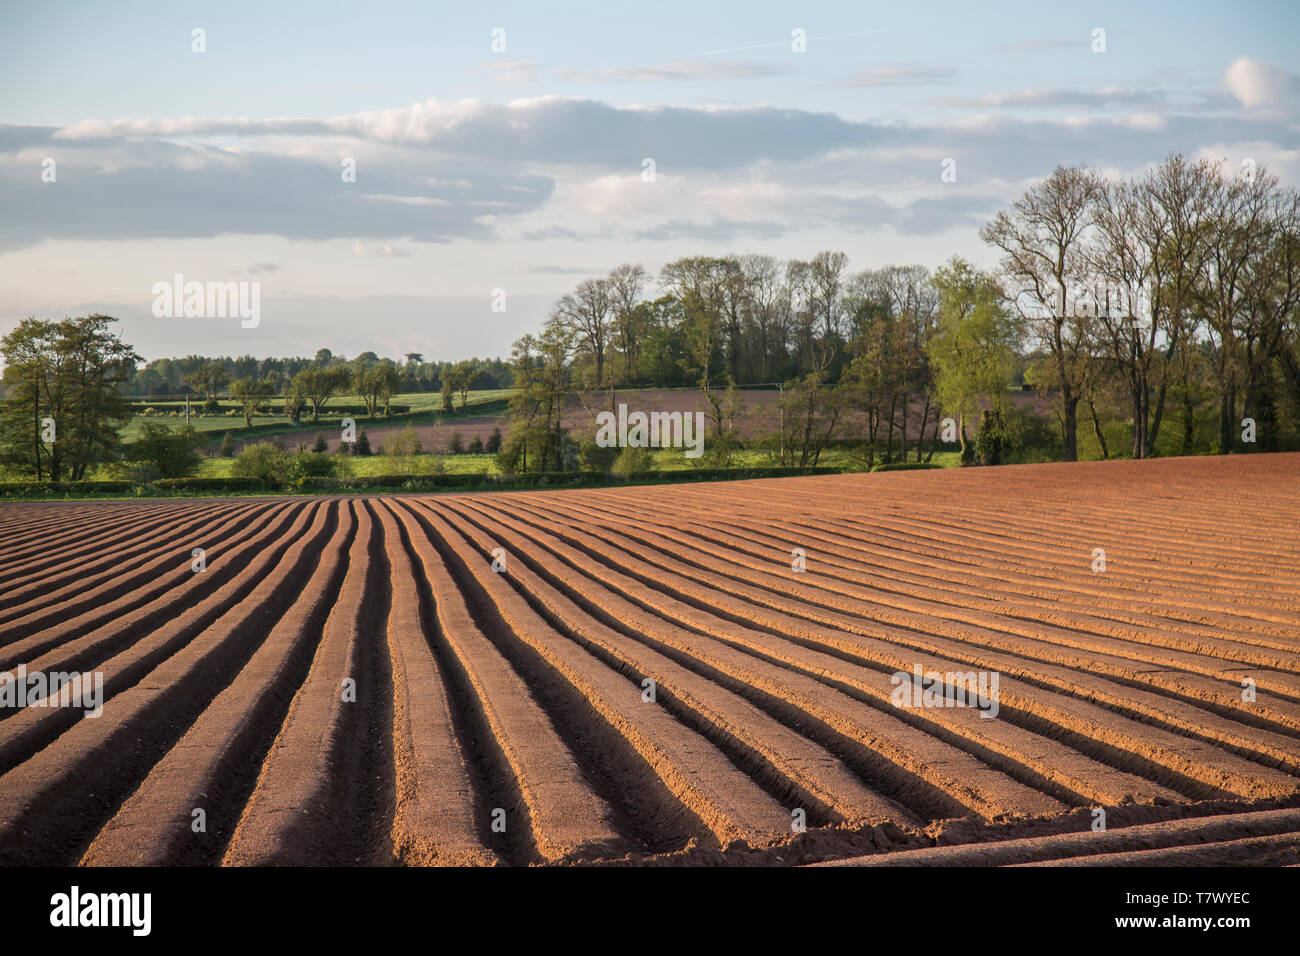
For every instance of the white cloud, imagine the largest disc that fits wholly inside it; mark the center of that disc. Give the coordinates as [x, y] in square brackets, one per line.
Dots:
[1255, 83]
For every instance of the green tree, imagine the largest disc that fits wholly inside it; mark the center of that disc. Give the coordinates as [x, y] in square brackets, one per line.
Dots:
[319, 384]
[171, 453]
[251, 394]
[973, 347]
[64, 403]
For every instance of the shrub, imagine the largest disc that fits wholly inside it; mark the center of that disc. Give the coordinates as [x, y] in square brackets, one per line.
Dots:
[320, 444]
[312, 464]
[227, 446]
[455, 444]
[403, 444]
[632, 460]
[494, 442]
[171, 454]
[596, 458]
[362, 444]
[476, 446]
[264, 462]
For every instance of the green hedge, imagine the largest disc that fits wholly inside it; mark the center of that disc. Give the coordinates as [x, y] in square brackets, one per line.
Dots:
[728, 474]
[209, 484]
[907, 466]
[196, 408]
[31, 489]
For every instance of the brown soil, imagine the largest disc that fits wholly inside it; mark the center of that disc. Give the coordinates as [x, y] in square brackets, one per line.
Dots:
[506, 717]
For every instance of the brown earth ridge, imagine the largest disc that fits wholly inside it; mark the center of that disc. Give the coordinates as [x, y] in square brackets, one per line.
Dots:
[645, 679]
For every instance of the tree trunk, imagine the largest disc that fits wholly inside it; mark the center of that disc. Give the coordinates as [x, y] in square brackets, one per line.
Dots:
[1096, 427]
[1070, 429]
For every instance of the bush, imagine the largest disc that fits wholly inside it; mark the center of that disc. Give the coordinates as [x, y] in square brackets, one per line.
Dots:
[455, 444]
[312, 464]
[320, 444]
[403, 444]
[594, 457]
[992, 437]
[476, 446]
[171, 454]
[228, 446]
[494, 442]
[362, 444]
[632, 460]
[264, 462]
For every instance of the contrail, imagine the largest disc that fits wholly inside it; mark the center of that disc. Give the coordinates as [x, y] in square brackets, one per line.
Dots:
[756, 46]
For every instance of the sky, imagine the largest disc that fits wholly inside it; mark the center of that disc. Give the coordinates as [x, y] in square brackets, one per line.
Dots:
[504, 152]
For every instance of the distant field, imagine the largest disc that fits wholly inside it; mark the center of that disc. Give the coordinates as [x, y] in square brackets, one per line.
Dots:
[424, 408]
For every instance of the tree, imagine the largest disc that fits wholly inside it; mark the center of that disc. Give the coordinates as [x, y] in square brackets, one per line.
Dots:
[209, 378]
[544, 379]
[464, 377]
[696, 283]
[973, 344]
[319, 385]
[1150, 251]
[295, 399]
[630, 321]
[586, 314]
[251, 395]
[64, 402]
[172, 454]
[376, 382]
[1042, 242]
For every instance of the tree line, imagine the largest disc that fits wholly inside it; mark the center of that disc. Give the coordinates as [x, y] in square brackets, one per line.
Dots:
[1157, 304]
[207, 377]
[1127, 300]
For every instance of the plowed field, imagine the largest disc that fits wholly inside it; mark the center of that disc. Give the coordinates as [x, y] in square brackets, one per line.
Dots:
[641, 674]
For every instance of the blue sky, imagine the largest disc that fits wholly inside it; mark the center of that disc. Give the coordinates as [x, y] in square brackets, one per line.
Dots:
[522, 169]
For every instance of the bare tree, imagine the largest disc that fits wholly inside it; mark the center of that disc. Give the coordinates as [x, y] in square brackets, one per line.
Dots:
[1042, 244]
[586, 312]
[626, 283]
